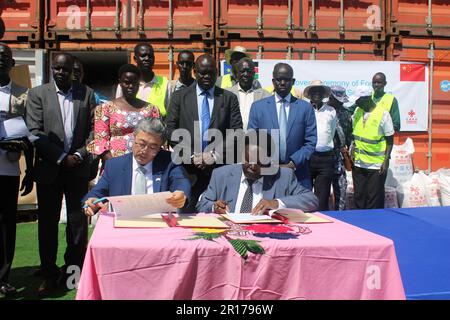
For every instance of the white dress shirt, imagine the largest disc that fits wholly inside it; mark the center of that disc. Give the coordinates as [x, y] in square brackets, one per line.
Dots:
[66, 106]
[148, 176]
[7, 168]
[257, 189]
[326, 122]
[287, 105]
[246, 99]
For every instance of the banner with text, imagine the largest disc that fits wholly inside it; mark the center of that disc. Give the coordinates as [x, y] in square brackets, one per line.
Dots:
[407, 81]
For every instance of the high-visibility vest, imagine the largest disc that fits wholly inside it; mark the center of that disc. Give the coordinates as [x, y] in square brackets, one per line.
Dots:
[370, 146]
[385, 101]
[158, 94]
[226, 81]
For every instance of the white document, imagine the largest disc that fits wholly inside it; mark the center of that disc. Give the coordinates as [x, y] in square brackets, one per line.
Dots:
[135, 206]
[240, 217]
[16, 128]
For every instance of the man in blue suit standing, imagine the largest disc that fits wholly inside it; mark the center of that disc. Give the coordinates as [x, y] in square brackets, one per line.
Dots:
[295, 120]
[148, 169]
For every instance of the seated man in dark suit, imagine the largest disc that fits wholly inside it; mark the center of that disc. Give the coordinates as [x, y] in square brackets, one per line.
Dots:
[255, 186]
[148, 169]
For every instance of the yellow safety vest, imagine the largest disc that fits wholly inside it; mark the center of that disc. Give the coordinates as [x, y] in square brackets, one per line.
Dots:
[158, 94]
[370, 146]
[385, 101]
[226, 81]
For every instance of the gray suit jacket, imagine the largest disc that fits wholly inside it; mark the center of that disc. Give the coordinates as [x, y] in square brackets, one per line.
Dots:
[44, 120]
[283, 185]
[260, 93]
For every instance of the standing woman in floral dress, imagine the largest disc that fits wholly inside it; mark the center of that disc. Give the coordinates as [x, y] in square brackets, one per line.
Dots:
[115, 120]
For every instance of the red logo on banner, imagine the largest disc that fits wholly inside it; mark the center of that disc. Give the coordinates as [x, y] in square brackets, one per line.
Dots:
[411, 119]
[412, 72]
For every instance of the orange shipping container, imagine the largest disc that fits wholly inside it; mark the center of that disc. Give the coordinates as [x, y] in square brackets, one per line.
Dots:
[308, 50]
[303, 19]
[421, 17]
[20, 21]
[128, 19]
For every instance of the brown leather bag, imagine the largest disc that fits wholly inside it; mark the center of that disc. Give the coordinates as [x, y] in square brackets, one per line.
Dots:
[348, 163]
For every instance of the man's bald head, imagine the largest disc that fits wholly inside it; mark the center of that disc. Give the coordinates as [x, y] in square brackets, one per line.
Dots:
[283, 79]
[205, 71]
[62, 69]
[378, 83]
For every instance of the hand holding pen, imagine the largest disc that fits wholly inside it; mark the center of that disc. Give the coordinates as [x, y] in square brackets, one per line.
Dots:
[93, 205]
[221, 207]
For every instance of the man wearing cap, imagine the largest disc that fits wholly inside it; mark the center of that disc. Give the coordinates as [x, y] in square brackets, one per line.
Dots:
[323, 159]
[232, 56]
[373, 133]
[295, 120]
[342, 142]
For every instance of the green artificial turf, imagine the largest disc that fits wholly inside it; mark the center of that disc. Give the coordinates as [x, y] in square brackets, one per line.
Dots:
[26, 261]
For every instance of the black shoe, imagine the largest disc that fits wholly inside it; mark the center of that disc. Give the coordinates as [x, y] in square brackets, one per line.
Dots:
[48, 286]
[7, 289]
[37, 273]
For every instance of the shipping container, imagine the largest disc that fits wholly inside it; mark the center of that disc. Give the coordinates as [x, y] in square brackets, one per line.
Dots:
[303, 19]
[312, 50]
[128, 19]
[20, 21]
[434, 52]
[419, 17]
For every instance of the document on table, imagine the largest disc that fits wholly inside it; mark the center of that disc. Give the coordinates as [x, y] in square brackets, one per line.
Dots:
[297, 216]
[154, 220]
[135, 206]
[15, 128]
[200, 221]
[249, 218]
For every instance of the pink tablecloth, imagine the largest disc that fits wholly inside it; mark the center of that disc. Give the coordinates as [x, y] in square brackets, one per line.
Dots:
[335, 261]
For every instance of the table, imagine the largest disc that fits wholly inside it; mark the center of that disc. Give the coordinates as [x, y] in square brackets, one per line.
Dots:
[335, 261]
[422, 243]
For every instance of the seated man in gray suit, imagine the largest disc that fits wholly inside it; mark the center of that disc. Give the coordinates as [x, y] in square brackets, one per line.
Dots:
[244, 88]
[254, 186]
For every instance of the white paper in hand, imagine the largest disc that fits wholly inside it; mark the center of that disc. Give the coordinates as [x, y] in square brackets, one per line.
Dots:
[134, 206]
[16, 128]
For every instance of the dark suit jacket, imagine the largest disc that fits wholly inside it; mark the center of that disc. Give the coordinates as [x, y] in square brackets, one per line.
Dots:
[283, 185]
[117, 177]
[301, 135]
[44, 120]
[183, 112]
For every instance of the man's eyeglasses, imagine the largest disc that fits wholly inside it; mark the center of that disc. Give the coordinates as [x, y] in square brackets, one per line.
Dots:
[144, 147]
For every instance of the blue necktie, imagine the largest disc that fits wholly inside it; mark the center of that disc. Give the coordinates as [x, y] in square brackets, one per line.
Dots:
[205, 118]
[283, 125]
